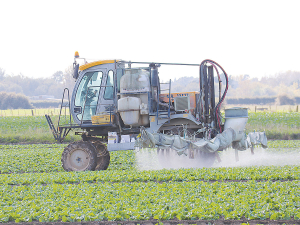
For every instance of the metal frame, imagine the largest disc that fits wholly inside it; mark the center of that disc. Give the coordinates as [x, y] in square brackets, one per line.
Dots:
[61, 132]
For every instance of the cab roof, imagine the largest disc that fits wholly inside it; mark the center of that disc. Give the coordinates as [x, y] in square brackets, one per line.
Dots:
[91, 64]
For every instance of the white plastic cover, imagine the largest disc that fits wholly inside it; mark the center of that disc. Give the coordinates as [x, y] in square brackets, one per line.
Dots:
[220, 142]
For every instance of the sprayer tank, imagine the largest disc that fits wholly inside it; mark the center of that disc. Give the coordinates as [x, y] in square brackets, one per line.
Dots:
[134, 84]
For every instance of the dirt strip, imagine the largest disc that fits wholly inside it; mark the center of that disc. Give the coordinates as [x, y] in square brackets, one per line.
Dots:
[168, 222]
[160, 182]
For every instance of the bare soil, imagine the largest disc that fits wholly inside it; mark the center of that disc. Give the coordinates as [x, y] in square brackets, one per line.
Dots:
[168, 222]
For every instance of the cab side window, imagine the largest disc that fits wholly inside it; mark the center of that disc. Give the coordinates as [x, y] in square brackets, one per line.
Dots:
[109, 89]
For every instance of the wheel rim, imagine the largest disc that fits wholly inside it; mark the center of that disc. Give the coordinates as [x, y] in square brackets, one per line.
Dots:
[79, 160]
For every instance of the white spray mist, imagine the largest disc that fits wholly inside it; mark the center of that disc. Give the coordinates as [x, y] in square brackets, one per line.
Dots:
[151, 159]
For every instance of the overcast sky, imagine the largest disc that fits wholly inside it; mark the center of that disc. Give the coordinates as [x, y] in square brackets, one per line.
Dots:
[258, 38]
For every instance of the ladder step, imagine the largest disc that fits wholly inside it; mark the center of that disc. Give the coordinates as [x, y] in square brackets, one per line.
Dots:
[52, 128]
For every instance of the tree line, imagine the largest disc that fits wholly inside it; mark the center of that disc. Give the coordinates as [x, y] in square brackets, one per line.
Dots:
[281, 88]
[53, 85]
[15, 90]
[279, 100]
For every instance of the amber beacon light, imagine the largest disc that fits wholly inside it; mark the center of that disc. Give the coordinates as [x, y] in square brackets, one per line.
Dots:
[76, 54]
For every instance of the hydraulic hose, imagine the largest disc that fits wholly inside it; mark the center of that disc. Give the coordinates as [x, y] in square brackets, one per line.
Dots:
[215, 65]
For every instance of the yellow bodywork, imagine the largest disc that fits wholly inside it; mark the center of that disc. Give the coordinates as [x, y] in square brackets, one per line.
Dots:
[102, 119]
[91, 64]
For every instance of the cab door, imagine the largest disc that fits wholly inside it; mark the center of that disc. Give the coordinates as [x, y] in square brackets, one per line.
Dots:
[107, 93]
[87, 95]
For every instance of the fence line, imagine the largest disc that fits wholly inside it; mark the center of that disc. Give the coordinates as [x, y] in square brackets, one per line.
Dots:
[32, 112]
[55, 111]
[269, 108]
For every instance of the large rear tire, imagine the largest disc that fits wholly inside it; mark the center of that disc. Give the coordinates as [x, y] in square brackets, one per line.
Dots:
[79, 156]
[103, 156]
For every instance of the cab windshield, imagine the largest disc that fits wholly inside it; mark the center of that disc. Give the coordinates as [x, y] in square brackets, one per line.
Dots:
[87, 94]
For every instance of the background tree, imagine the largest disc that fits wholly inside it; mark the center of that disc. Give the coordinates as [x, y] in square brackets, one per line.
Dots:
[14, 101]
[58, 77]
[2, 74]
[285, 100]
[68, 79]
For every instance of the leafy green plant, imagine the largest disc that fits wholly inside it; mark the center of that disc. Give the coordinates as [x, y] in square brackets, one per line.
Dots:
[143, 201]
[278, 125]
[34, 187]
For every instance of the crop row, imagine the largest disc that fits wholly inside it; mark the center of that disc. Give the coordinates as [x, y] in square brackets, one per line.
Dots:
[279, 144]
[205, 174]
[144, 201]
[46, 157]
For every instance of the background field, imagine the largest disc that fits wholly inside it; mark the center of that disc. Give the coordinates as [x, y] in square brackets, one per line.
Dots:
[278, 125]
[30, 129]
[55, 111]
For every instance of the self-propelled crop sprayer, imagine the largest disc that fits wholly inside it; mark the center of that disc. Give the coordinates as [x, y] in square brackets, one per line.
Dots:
[121, 103]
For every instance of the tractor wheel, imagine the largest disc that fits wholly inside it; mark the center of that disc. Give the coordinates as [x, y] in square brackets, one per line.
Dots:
[103, 156]
[79, 156]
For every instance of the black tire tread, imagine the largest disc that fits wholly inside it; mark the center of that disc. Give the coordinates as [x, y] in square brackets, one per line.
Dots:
[104, 159]
[85, 145]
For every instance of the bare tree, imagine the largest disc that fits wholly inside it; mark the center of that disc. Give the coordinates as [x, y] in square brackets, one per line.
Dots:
[68, 79]
[58, 77]
[2, 73]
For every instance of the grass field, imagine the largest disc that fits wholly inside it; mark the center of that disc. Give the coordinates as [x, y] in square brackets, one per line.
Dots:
[34, 187]
[33, 112]
[277, 125]
[55, 111]
[29, 129]
[34, 129]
